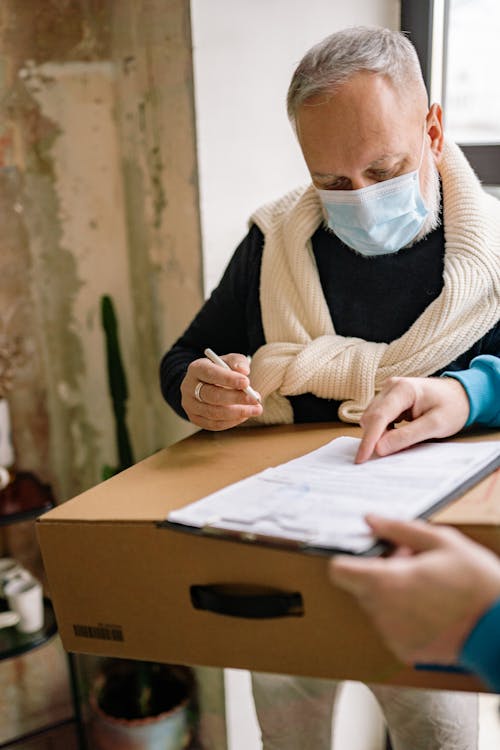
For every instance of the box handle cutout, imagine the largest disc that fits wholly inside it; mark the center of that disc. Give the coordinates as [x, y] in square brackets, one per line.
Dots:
[247, 601]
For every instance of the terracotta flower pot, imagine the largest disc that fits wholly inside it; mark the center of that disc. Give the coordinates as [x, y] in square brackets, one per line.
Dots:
[167, 730]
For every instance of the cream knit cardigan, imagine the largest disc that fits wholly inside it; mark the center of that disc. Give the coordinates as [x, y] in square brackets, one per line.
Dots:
[303, 354]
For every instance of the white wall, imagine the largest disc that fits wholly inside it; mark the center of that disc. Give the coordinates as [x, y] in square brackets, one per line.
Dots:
[245, 52]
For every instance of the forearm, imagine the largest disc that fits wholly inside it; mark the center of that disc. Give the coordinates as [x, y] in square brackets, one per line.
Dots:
[482, 385]
[228, 321]
[173, 369]
[481, 651]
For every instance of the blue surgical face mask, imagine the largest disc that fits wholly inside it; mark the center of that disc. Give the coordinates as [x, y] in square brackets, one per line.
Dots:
[378, 219]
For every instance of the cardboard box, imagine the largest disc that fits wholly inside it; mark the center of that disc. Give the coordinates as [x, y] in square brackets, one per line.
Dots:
[121, 585]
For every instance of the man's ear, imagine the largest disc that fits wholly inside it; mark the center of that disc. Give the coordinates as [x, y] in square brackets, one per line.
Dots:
[434, 126]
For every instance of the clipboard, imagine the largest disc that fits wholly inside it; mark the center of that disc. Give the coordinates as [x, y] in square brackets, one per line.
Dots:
[379, 547]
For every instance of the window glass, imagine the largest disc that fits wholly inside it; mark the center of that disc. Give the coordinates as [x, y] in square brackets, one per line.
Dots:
[472, 88]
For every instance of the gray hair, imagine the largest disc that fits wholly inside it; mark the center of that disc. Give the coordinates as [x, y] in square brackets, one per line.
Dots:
[333, 61]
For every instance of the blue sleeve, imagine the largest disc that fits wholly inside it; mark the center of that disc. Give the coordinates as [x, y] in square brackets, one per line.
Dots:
[481, 651]
[482, 385]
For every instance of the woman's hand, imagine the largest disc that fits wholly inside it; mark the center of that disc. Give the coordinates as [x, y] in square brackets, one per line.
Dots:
[427, 597]
[433, 408]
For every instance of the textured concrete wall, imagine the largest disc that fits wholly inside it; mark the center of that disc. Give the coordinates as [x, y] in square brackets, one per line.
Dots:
[98, 195]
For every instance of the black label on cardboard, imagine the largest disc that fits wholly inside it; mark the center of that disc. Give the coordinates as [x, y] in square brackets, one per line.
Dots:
[102, 632]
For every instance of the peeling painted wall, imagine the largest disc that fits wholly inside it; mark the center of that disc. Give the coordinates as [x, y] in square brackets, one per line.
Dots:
[98, 195]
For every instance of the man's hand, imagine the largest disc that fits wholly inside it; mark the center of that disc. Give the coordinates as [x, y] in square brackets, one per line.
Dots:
[434, 408]
[214, 398]
[424, 604]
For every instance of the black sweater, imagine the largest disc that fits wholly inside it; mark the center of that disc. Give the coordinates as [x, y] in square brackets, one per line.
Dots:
[376, 299]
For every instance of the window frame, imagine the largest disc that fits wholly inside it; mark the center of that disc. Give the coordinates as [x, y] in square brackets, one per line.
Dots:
[416, 20]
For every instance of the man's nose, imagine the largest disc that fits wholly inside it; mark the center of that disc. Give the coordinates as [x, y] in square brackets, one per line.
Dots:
[361, 182]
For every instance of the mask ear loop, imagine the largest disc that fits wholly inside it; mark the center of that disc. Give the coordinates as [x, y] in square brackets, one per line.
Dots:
[417, 171]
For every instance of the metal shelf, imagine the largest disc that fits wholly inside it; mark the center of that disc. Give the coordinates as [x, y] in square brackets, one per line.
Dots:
[13, 643]
[25, 499]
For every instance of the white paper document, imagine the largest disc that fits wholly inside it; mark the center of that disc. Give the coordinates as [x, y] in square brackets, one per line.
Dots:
[321, 498]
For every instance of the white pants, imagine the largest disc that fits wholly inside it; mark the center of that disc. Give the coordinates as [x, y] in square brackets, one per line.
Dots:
[295, 713]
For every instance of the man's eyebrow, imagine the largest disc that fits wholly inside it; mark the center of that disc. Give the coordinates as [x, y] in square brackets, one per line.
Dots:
[396, 158]
[325, 176]
[387, 157]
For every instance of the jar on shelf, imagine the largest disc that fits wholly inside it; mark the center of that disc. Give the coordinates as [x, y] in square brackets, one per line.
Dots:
[6, 447]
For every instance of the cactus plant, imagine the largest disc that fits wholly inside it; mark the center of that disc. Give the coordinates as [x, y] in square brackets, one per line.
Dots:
[118, 390]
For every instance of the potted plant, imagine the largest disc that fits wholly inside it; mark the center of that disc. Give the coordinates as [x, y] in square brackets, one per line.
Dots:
[118, 389]
[142, 705]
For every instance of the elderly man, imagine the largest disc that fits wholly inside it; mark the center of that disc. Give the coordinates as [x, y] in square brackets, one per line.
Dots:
[340, 285]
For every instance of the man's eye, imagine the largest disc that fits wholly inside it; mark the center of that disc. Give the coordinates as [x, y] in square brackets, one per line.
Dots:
[338, 185]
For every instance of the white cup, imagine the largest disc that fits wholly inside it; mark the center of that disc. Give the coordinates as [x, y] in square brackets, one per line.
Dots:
[25, 596]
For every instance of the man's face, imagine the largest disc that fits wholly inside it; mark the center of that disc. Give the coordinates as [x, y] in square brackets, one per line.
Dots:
[362, 134]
